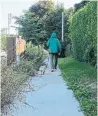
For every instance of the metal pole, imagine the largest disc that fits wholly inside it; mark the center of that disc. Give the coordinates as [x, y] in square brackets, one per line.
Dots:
[8, 25]
[57, 3]
[62, 26]
[9, 22]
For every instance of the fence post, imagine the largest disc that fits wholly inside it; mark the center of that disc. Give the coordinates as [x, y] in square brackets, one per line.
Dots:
[11, 49]
[18, 59]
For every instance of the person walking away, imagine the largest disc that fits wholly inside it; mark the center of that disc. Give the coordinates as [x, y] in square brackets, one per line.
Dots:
[54, 46]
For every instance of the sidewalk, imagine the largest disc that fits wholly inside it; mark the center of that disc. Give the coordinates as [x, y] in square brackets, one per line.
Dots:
[52, 98]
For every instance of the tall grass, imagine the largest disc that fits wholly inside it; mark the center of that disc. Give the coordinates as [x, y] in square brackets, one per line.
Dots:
[14, 76]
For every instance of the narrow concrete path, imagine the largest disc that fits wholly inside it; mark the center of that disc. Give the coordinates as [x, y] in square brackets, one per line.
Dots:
[51, 98]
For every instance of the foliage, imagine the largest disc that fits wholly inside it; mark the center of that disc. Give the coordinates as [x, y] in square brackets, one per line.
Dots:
[81, 78]
[43, 18]
[31, 23]
[28, 26]
[53, 22]
[32, 50]
[83, 30]
[42, 7]
[40, 21]
[3, 41]
[13, 77]
[80, 5]
[10, 83]
[70, 12]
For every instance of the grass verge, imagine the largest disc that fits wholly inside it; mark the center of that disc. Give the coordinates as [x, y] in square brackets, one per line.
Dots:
[82, 79]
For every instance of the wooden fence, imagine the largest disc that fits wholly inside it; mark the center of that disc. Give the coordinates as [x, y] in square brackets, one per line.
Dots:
[11, 50]
[14, 46]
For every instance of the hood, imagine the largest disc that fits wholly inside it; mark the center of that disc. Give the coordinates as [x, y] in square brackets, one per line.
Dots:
[53, 35]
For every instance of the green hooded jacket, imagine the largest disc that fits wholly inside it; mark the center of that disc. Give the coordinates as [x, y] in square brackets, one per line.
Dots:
[54, 44]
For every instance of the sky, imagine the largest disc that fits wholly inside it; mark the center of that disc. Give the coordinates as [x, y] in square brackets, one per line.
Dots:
[16, 7]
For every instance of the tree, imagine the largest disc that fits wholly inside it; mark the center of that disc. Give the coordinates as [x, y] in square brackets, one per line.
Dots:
[42, 7]
[41, 20]
[53, 22]
[3, 41]
[31, 23]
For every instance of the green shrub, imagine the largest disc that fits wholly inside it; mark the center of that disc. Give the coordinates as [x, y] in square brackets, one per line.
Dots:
[10, 83]
[32, 51]
[13, 77]
[3, 41]
[83, 33]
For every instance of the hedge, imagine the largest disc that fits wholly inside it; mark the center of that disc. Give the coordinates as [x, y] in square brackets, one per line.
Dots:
[83, 33]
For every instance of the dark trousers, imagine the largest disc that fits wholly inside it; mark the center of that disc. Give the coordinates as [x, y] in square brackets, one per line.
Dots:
[53, 60]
